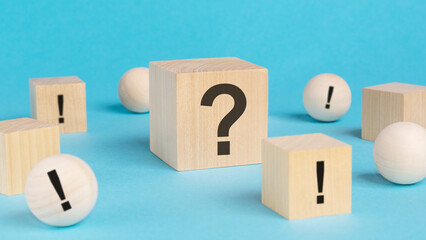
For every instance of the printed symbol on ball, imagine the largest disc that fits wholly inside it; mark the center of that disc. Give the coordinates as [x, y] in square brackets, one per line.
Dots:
[54, 178]
[223, 147]
[70, 179]
[328, 87]
[61, 107]
[320, 181]
[330, 93]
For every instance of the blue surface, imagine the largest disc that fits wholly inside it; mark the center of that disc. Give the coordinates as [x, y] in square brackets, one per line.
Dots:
[365, 42]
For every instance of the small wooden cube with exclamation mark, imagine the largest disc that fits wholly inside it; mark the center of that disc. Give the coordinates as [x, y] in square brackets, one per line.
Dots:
[306, 175]
[59, 100]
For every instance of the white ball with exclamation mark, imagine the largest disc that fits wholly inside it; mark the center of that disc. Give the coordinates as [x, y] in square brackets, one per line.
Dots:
[327, 97]
[61, 190]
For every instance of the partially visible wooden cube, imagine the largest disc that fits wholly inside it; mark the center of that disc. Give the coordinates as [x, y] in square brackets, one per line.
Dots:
[23, 143]
[385, 104]
[306, 175]
[59, 100]
[188, 101]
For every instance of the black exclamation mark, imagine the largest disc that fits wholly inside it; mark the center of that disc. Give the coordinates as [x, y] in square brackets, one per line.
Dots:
[53, 176]
[61, 107]
[320, 181]
[330, 93]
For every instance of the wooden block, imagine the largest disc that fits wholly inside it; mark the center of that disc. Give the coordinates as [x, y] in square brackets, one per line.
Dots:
[385, 104]
[189, 100]
[23, 143]
[306, 175]
[59, 100]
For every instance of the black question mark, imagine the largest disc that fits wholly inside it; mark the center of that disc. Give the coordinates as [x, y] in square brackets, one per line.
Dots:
[240, 103]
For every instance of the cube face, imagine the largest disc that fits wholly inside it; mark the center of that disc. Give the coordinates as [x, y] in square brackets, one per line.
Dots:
[23, 143]
[275, 178]
[385, 104]
[60, 100]
[189, 129]
[309, 182]
[4, 176]
[305, 198]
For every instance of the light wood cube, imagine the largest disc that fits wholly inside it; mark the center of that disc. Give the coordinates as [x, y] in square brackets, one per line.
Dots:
[23, 143]
[306, 175]
[385, 104]
[60, 100]
[189, 100]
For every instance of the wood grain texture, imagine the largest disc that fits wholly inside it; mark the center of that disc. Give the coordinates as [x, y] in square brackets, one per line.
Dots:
[77, 181]
[207, 65]
[23, 143]
[162, 116]
[400, 152]
[289, 177]
[185, 134]
[385, 104]
[44, 102]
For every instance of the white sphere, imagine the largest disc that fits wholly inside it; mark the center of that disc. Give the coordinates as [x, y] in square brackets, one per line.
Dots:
[77, 181]
[315, 97]
[400, 152]
[133, 90]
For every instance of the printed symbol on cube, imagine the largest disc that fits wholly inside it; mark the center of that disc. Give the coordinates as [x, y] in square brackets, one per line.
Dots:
[389, 103]
[207, 113]
[23, 143]
[59, 100]
[306, 176]
[320, 181]
[223, 148]
[61, 108]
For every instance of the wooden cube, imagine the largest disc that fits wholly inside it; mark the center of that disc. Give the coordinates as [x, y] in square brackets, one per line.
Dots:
[207, 113]
[23, 143]
[306, 175]
[385, 104]
[59, 100]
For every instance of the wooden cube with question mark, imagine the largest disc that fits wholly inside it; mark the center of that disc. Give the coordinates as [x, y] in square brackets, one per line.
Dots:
[208, 113]
[60, 100]
[306, 175]
[23, 143]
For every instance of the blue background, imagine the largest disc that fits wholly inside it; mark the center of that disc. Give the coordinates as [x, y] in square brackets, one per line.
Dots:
[365, 42]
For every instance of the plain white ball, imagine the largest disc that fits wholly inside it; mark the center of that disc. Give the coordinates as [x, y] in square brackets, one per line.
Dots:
[400, 152]
[78, 183]
[133, 90]
[315, 97]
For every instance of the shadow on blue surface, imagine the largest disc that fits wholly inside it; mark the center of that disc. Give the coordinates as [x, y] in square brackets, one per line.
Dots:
[302, 117]
[355, 132]
[253, 201]
[118, 108]
[136, 152]
[374, 178]
[24, 220]
[299, 117]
